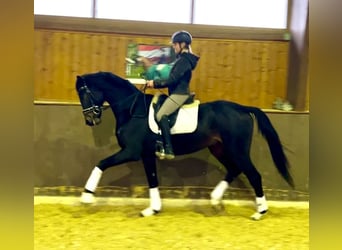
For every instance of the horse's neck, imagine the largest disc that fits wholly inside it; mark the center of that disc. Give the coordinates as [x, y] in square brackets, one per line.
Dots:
[118, 94]
[135, 106]
[121, 103]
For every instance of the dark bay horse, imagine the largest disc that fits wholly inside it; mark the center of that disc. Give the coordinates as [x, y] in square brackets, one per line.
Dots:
[224, 127]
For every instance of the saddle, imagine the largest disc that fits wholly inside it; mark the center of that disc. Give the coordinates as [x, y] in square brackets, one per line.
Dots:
[183, 120]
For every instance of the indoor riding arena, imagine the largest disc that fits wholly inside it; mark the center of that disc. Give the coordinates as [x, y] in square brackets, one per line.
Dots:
[259, 66]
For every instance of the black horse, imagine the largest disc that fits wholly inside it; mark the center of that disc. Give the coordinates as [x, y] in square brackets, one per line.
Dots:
[226, 128]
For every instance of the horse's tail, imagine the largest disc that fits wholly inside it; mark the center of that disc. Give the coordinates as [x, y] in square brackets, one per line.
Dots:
[267, 130]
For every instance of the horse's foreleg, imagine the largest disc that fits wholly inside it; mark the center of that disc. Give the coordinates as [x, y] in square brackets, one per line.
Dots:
[152, 178]
[87, 196]
[122, 156]
[155, 203]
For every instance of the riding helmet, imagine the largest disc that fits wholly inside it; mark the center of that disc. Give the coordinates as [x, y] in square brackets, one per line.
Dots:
[181, 36]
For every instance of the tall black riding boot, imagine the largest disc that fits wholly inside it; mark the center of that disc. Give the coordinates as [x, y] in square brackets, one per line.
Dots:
[165, 129]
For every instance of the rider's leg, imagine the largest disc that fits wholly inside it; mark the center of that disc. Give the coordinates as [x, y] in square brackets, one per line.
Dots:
[165, 130]
[170, 105]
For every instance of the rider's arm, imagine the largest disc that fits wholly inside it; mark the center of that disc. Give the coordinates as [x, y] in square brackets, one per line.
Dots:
[178, 70]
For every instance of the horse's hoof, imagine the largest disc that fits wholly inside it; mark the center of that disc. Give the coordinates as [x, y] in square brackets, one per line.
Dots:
[258, 215]
[87, 198]
[215, 202]
[149, 212]
[218, 209]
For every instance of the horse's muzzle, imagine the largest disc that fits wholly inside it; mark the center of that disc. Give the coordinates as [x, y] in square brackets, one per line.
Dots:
[92, 116]
[92, 121]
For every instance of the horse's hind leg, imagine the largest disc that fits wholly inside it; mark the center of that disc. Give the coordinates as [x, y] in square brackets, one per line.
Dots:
[255, 180]
[232, 172]
[236, 163]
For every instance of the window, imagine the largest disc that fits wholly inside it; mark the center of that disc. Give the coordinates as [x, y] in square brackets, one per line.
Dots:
[76, 8]
[175, 11]
[245, 13]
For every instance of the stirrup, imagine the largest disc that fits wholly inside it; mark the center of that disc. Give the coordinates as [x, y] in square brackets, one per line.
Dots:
[169, 156]
[169, 153]
[160, 151]
[160, 154]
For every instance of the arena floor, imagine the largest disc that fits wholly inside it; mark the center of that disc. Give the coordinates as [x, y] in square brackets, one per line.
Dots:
[114, 223]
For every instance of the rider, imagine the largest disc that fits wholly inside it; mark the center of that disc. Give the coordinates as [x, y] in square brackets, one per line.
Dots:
[177, 84]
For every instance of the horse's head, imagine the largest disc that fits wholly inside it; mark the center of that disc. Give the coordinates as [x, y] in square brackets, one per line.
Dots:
[91, 100]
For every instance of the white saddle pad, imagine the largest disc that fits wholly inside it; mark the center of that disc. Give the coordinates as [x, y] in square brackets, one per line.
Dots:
[186, 120]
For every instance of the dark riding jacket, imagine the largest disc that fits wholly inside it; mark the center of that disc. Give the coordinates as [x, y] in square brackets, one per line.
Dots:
[180, 75]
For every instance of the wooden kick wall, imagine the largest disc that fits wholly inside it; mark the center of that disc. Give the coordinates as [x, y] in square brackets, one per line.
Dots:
[251, 72]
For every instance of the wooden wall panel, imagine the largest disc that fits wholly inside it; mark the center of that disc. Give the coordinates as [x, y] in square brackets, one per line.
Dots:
[248, 72]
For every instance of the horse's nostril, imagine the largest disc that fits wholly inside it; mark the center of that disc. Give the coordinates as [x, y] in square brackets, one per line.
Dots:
[97, 121]
[89, 122]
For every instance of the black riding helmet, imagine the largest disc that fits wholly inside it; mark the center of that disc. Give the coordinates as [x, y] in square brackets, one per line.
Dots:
[181, 36]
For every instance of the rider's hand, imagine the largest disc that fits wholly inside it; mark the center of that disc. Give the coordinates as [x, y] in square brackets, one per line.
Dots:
[150, 84]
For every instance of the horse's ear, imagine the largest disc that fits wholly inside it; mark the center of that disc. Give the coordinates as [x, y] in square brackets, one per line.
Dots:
[78, 81]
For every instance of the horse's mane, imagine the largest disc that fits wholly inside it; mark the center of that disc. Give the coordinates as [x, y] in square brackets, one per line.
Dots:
[109, 77]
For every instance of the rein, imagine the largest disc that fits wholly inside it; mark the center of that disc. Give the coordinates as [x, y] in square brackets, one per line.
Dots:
[135, 95]
[135, 100]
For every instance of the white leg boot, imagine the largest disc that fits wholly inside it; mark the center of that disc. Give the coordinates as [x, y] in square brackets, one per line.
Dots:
[91, 185]
[155, 203]
[217, 194]
[262, 207]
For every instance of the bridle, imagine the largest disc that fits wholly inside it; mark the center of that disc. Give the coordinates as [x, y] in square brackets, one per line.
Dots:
[95, 109]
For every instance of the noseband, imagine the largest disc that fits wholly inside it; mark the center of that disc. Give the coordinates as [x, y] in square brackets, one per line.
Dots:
[95, 109]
